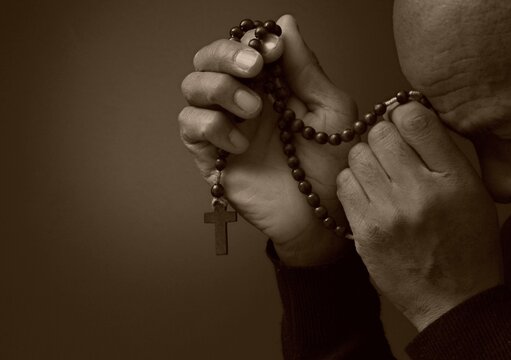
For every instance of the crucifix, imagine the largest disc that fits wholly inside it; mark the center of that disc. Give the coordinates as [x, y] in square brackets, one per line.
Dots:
[220, 217]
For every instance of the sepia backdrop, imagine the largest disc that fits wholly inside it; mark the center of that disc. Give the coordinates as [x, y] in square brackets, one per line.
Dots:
[103, 251]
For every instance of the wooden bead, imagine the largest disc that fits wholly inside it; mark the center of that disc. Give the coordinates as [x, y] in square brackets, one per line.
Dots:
[379, 109]
[370, 118]
[335, 139]
[293, 162]
[289, 149]
[222, 153]
[286, 136]
[402, 97]
[298, 174]
[297, 125]
[425, 102]
[277, 30]
[270, 25]
[313, 200]
[321, 212]
[236, 32]
[276, 71]
[282, 93]
[321, 137]
[288, 115]
[258, 23]
[340, 231]
[283, 125]
[247, 24]
[279, 106]
[347, 135]
[256, 44]
[329, 223]
[220, 164]
[360, 127]
[305, 187]
[308, 132]
[217, 190]
[260, 32]
[268, 87]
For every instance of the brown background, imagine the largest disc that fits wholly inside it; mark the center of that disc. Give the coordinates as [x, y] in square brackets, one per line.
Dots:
[104, 255]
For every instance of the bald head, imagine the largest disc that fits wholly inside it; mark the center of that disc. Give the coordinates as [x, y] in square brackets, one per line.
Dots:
[458, 52]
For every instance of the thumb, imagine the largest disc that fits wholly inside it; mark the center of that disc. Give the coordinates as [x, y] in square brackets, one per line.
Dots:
[305, 76]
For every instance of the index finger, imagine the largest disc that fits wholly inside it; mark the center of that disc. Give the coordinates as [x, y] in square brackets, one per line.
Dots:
[424, 132]
[230, 57]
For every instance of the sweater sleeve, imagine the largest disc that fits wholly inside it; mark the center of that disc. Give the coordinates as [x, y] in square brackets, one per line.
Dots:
[330, 311]
[479, 328]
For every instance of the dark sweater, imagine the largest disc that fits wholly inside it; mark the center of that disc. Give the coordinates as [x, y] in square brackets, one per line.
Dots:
[332, 312]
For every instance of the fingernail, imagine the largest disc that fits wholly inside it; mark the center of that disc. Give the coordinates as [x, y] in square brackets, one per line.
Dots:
[246, 101]
[246, 59]
[238, 140]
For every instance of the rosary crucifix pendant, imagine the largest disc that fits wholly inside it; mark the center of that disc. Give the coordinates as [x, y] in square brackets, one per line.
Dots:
[220, 217]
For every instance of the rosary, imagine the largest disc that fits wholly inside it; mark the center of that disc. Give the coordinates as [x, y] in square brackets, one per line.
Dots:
[289, 125]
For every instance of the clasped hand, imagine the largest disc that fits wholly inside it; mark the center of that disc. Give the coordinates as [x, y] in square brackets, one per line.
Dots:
[422, 221]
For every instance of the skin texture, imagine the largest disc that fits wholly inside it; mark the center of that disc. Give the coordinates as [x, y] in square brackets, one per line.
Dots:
[257, 180]
[425, 225]
[459, 54]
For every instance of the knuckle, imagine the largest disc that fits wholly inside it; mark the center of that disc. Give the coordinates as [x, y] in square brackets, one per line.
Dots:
[211, 126]
[382, 132]
[358, 153]
[415, 120]
[345, 177]
[218, 89]
[186, 85]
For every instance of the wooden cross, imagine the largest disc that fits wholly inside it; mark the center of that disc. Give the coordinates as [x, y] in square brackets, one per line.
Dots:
[220, 217]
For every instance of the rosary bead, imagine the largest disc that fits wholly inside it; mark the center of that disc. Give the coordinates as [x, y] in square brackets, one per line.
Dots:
[340, 231]
[329, 223]
[297, 125]
[220, 164]
[268, 87]
[276, 70]
[270, 25]
[347, 135]
[360, 127]
[217, 190]
[222, 153]
[256, 44]
[308, 132]
[298, 174]
[321, 212]
[370, 118]
[288, 115]
[321, 137]
[335, 139]
[424, 101]
[247, 25]
[286, 136]
[278, 82]
[402, 97]
[313, 200]
[260, 32]
[258, 23]
[236, 32]
[305, 187]
[279, 106]
[293, 162]
[283, 125]
[379, 109]
[282, 93]
[289, 149]
[277, 30]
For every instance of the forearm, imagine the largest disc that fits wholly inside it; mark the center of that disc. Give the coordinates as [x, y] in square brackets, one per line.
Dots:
[330, 311]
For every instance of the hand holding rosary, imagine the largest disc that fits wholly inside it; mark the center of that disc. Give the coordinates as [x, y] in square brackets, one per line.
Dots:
[263, 37]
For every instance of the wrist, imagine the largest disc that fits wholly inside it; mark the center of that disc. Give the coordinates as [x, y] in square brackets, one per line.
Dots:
[312, 248]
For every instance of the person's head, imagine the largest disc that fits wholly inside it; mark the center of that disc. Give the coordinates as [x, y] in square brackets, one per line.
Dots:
[458, 53]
